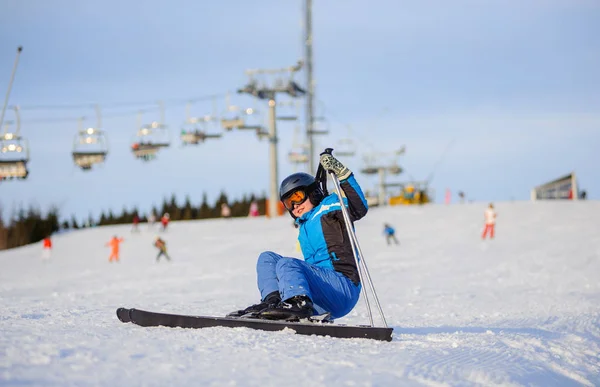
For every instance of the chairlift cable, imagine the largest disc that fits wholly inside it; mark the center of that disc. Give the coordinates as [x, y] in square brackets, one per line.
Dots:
[444, 153]
[114, 105]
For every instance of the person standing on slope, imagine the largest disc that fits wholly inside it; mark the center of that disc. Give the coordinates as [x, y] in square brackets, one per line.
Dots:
[165, 221]
[114, 244]
[327, 280]
[253, 209]
[135, 222]
[489, 217]
[390, 234]
[47, 248]
[225, 211]
[161, 245]
[151, 219]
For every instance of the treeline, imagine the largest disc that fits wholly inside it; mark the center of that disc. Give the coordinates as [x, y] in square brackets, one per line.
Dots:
[29, 226]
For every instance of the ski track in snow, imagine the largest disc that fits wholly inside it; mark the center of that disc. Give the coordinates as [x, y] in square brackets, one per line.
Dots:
[521, 310]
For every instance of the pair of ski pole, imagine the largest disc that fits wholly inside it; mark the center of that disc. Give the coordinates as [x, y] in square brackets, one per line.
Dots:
[361, 264]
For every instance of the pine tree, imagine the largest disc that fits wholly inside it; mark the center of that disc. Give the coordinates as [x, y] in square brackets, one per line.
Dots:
[204, 211]
[74, 224]
[52, 221]
[103, 219]
[111, 218]
[3, 232]
[186, 213]
[174, 210]
[165, 208]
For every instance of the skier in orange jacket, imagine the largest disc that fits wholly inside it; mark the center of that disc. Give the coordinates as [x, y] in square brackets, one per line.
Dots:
[114, 245]
[47, 245]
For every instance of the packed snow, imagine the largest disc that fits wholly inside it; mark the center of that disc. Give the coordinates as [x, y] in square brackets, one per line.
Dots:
[520, 310]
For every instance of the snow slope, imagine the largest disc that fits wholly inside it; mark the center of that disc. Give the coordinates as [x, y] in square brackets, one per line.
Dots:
[523, 309]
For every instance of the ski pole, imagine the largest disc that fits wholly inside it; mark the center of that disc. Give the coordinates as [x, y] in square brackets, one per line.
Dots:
[362, 260]
[355, 247]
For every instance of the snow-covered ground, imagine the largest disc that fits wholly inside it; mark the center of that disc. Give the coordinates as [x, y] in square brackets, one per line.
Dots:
[523, 309]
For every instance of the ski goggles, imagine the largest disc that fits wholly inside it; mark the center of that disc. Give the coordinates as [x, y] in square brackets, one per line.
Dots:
[296, 197]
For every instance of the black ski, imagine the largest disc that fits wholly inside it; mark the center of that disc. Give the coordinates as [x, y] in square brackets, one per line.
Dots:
[153, 319]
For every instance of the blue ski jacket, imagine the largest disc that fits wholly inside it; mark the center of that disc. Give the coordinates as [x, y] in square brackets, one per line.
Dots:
[323, 236]
[388, 230]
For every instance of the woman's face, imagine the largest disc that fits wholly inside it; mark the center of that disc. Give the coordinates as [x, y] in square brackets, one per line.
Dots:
[302, 208]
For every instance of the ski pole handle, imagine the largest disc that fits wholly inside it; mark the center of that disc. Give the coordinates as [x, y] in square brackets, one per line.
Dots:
[327, 151]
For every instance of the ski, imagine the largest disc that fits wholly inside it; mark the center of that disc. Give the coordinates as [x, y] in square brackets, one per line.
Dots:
[152, 319]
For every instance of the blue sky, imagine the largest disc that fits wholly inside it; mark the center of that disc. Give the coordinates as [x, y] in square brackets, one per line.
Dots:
[507, 91]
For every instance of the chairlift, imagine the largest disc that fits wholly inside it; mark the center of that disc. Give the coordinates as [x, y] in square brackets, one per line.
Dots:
[395, 169]
[150, 138]
[252, 120]
[369, 170]
[299, 152]
[370, 166]
[14, 152]
[231, 118]
[290, 116]
[320, 126]
[193, 130]
[298, 157]
[90, 145]
[192, 135]
[346, 148]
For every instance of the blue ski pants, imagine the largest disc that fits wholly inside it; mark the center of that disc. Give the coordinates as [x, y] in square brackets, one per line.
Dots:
[329, 290]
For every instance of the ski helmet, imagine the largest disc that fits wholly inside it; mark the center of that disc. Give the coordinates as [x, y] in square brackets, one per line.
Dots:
[301, 180]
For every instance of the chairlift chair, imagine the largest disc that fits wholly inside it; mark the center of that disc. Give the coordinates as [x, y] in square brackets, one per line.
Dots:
[150, 139]
[395, 169]
[321, 126]
[253, 125]
[296, 157]
[289, 116]
[14, 152]
[192, 135]
[90, 147]
[299, 152]
[232, 119]
[14, 156]
[346, 148]
[370, 170]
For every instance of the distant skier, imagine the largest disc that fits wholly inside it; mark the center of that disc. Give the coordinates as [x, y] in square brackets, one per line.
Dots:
[225, 211]
[161, 245]
[135, 222]
[490, 221]
[165, 221]
[114, 244]
[151, 219]
[327, 279]
[390, 234]
[253, 209]
[448, 197]
[46, 248]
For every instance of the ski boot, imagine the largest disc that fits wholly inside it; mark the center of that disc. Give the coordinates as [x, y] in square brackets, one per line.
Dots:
[292, 309]
[270, 301]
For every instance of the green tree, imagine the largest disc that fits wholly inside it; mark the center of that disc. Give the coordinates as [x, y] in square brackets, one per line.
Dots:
[186, 212]
[204, 211]
[74, 224]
